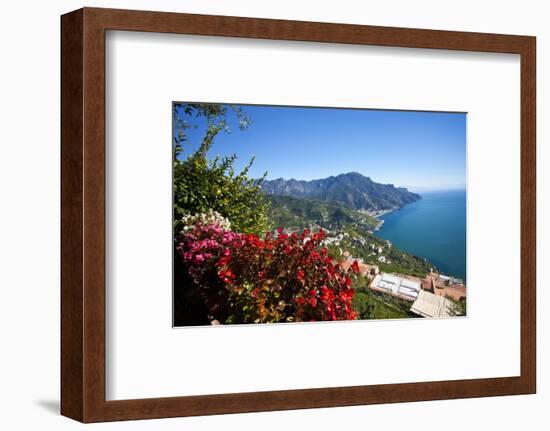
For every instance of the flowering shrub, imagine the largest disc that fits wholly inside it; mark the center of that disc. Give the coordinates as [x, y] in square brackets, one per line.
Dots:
[199, 248]
[279, 278]
[201, 184]
[211, 217]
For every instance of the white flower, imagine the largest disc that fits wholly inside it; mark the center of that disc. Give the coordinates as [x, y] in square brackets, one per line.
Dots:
[208, 218]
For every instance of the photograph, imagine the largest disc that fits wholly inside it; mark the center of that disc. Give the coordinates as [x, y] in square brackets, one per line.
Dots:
[285, 214]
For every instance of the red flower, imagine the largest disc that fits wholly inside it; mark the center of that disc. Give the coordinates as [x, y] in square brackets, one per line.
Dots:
[330, 270]
[346, 295]
[226, 273]
[312, 302]
[300, 275]
[326, 294]
[355, 267]
[223, 261]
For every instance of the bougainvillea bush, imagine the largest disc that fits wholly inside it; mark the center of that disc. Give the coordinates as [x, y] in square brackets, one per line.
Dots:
[245, 278]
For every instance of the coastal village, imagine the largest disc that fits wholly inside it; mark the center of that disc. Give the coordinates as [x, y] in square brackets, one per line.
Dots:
[433, 295]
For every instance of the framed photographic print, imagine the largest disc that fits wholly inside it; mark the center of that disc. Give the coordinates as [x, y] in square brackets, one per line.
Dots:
[266, 215]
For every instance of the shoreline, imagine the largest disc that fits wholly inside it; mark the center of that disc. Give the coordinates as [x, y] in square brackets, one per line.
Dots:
[378, 214]
[381, 213]
[384, 212]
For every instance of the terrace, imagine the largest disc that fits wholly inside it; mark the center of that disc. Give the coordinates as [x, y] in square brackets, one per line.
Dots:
[400, 287]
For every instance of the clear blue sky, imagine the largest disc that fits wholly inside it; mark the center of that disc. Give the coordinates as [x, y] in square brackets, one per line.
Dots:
[419, 150]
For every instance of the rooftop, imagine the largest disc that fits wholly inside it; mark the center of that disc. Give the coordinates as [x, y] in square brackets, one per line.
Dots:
[397, 286]
[429, 305]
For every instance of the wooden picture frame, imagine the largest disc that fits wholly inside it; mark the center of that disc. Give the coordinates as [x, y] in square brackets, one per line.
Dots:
[83, 214]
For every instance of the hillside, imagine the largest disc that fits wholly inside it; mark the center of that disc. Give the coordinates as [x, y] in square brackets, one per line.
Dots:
[352, 190]
[293, 213]
[347, 229]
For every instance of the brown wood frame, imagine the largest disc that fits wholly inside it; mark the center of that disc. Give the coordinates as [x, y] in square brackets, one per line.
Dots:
[83, 214]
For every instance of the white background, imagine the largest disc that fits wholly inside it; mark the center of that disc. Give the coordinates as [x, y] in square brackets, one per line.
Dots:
[29, 170]
[196, 361]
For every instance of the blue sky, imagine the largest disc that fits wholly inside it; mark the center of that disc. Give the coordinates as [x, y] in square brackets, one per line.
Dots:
[418, 150]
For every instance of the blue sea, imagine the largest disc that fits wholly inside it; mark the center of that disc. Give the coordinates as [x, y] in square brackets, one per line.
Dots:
[433, 227]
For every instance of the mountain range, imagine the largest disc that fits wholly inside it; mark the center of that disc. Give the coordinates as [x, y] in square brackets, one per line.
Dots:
[351, 189]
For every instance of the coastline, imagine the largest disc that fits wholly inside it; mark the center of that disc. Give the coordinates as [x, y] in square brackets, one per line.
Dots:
[380, 213]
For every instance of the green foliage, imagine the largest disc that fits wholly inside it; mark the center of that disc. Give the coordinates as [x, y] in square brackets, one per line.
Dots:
[186, 114]
[401, 267]
[373, 305]
[292, 213]
[200, 185]
[458, 308]
[362, 306]
[387, 307]
[370, 306]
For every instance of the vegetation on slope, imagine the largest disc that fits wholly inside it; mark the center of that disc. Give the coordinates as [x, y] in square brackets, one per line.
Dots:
[293, 213]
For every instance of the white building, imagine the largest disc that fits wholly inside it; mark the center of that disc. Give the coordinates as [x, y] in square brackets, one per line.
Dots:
[397, 286]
